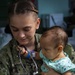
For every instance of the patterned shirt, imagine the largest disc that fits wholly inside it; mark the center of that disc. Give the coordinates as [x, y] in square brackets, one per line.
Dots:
[62, 65]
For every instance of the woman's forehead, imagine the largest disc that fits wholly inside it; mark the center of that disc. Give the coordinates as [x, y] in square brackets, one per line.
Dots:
[21, 16]
[21, 19]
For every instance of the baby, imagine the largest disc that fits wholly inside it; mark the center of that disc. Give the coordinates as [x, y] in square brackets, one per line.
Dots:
[52, 43]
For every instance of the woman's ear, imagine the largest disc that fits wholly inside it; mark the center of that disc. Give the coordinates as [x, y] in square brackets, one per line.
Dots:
[38, 23]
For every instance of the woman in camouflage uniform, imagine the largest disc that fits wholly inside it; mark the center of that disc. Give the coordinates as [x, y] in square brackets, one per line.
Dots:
[23, 22]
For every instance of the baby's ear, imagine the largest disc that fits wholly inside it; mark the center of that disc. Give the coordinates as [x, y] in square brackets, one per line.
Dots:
[60, 48]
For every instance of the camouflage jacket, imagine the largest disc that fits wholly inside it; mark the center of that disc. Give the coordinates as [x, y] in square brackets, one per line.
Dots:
[12, 64]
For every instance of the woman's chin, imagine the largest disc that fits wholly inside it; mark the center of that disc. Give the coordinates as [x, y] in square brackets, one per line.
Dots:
[23, 43]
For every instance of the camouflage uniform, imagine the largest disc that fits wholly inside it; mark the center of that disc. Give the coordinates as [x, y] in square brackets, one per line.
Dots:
[70, 51]
[10, 63]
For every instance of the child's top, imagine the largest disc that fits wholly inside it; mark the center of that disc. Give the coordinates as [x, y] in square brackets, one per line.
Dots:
[62, 65]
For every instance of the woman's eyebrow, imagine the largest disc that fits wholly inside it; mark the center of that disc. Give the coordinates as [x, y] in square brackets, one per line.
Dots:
[13, 26]
[27, 27]
[23, 27]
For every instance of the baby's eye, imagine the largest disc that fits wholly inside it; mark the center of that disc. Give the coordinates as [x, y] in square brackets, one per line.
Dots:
[44, 49]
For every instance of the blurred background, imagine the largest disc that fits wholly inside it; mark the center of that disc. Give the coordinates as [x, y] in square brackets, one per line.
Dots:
[51, 12]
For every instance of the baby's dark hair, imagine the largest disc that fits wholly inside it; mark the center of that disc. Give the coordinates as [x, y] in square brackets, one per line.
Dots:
[57, 36]
[22, 7]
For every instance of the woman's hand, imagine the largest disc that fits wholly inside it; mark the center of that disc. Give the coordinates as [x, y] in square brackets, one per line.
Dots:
[22, 50]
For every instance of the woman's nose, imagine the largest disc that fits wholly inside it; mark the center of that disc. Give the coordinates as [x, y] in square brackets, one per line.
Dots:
[21, 34]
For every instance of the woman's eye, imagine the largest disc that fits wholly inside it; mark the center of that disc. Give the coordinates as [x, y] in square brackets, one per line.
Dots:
[15, 30]
[27, 29]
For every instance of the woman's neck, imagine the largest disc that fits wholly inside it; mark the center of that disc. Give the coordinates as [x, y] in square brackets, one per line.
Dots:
[31, 45]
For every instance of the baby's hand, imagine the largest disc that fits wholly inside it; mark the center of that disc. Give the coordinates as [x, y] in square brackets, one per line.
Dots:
[37, 56]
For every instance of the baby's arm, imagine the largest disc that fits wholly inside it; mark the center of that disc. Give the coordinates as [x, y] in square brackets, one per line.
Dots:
[50, 72]
[67, 73]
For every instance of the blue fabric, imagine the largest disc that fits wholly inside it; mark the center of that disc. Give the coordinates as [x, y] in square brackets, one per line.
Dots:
[28, 55]
[62, 65]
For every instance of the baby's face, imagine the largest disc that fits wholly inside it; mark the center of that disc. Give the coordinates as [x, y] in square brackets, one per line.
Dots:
[48, 50]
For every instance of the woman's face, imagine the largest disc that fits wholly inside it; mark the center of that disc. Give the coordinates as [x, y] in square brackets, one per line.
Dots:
[23, 28]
